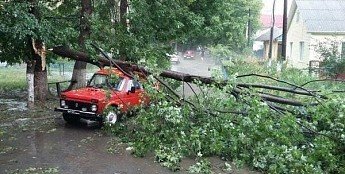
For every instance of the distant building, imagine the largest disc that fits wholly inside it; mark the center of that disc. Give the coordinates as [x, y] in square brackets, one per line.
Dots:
[276, 42]
[262, 39]
[311, 22]
[267, 21]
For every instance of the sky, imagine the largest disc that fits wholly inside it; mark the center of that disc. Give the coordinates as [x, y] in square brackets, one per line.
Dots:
[268, 5]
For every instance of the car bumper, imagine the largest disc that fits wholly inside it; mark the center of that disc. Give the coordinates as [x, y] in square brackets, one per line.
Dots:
[82, 114]
[189, 57]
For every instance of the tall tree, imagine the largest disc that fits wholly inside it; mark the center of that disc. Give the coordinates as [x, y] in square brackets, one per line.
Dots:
[25, 28]
[79, 70]
[225, 22]
[38, 52]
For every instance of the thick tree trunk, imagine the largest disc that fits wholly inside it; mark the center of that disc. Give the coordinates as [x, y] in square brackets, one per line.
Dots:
[41, 85]
[38, 55]
[79, 75]
[123, 12]
[79, 70]
[125, 27]
[30, 68]
[40, 73]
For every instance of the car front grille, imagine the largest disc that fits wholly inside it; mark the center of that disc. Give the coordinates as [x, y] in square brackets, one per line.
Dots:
[79, 106]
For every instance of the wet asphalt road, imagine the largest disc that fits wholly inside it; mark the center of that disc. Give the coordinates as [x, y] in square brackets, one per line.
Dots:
[197, 66]
[72, 149]
[80, 148]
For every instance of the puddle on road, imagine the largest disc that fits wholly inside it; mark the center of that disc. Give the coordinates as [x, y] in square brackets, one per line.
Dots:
[12, 105]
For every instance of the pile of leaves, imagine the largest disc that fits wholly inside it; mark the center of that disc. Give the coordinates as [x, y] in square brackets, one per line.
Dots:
[246, 130]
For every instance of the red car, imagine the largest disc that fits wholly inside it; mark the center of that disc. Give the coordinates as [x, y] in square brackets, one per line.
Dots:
[189, 54]
[108, 94]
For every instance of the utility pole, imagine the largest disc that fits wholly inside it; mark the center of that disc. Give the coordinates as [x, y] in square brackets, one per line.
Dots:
[271, 36]
[284, 31]
[249, 29]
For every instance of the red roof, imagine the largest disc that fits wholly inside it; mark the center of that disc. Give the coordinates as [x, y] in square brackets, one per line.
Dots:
[266, 21]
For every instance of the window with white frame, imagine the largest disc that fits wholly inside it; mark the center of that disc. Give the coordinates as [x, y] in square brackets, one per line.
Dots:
[301, 50]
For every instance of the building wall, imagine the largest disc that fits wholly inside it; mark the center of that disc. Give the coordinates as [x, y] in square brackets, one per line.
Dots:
[297, 34]
[274, 50]
[326, 39]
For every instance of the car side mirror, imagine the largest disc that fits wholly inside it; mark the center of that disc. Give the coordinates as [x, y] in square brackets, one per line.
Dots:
[132, 89]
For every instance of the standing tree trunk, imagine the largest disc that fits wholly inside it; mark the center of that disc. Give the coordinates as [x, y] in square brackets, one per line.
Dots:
[30, 65]
[123, 12]
[36, 65]
[79, 70]
[41, 81]
[124, 27]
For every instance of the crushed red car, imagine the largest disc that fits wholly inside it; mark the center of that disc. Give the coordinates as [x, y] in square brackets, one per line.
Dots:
[107, 96]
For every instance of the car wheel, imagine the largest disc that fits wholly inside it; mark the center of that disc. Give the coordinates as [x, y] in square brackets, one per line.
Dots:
[111, 116]
[71, 118]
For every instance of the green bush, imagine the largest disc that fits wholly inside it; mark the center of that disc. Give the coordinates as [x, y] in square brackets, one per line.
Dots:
[333, 61]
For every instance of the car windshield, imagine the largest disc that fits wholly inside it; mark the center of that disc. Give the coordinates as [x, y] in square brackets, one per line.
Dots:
[104, 81]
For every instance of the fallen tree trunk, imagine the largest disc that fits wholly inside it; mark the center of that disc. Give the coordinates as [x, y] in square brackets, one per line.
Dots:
[129, 67]
[77, 55]
[278, 88]
[102, 62]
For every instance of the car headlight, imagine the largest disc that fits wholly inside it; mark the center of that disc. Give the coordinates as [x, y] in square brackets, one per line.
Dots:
[93, 108]
[63, 103]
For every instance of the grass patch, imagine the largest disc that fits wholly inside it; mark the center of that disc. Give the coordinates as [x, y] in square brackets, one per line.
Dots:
[12, 78]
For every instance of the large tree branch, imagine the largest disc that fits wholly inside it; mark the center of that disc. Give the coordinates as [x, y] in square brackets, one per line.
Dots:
[64, 51]
[101, 62]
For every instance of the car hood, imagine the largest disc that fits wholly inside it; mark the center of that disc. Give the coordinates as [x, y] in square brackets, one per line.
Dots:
[86, 94]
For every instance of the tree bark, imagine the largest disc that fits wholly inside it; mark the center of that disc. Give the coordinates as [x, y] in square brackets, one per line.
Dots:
[41, 85]
[36, 65]
[30, 68]
[123, 12]
[40, 74]
[124, 27]
[79, 75]
[79, 71]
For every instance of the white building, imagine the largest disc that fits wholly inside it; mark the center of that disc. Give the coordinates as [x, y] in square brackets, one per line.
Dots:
[311, 22]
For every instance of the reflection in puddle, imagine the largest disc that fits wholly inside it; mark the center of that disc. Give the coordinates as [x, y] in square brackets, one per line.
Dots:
[12, 105]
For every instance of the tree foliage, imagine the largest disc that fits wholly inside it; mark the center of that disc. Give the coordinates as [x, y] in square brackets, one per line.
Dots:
[224, 22]
[18, 25]
[147, 35]
[246, 130]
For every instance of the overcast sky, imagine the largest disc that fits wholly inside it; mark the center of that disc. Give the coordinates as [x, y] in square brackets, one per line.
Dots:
[268, 4]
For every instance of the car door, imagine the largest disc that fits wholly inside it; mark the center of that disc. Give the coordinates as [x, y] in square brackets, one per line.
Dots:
[134, 93]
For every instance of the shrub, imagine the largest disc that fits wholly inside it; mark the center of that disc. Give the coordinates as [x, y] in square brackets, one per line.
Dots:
[333, 61]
